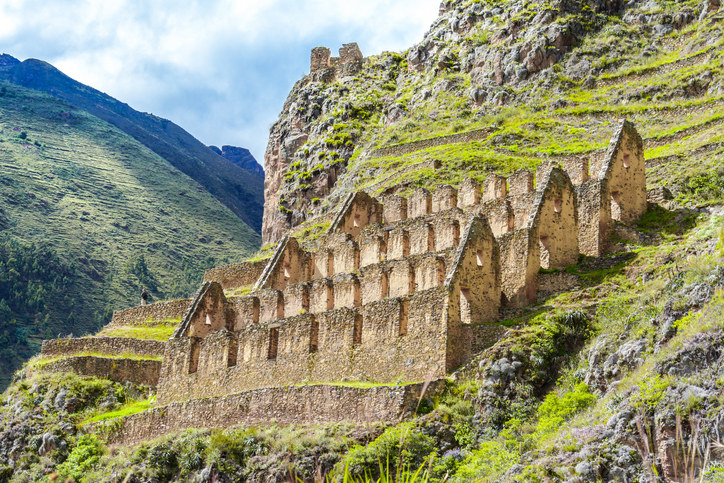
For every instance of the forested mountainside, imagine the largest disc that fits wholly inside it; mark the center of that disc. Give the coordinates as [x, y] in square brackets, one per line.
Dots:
[237, 188]
[89, 216]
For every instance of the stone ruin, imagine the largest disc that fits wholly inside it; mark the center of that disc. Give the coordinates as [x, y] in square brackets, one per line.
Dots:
[398, 290]
[403, 288]
[326, 68]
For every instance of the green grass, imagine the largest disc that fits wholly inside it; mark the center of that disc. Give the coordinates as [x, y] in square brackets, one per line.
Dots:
[126, 410]
[161, 332]
[361, 384]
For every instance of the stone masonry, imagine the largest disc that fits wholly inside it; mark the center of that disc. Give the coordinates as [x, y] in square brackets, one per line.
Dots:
[325, 68]
[399, 289]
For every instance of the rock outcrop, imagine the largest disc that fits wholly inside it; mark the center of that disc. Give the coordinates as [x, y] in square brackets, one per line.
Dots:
[241, 157]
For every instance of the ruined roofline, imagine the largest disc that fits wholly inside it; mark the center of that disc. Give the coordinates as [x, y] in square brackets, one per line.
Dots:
[541, 193]
[476, 223]
[269, 269]
[349, 62]
[347, 205]
[626, 127]
[182, 329]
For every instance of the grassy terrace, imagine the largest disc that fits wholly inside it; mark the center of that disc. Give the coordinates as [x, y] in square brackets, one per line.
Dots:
[665, 105]
[158, 332]
[38, 362]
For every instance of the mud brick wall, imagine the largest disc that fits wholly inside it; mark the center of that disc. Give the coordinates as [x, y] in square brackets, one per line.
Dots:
[236, 274]
[150, 315]
[286, 405]
[120, 370]
[103, 345]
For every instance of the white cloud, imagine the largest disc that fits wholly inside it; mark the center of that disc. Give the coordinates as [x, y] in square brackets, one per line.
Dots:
[220, 69]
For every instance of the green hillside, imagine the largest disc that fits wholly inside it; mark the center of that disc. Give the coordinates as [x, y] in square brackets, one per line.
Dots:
[114, 213]
[240, 190]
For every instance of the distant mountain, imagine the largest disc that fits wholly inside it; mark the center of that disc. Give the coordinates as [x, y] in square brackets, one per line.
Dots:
[237, 188]
[241, 157]
[88, 217]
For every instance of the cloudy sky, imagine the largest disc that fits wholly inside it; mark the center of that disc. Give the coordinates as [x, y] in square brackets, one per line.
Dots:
[221, 69]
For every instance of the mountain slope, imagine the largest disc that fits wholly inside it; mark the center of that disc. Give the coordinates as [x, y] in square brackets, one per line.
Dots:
[242, 157]
[475, 96]
[119, 214]
[238, 189]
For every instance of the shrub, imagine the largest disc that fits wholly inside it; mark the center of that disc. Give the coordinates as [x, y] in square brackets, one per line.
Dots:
[84, 456]
[492, 458]
[228, 450]
[557, 409]
[399, 448]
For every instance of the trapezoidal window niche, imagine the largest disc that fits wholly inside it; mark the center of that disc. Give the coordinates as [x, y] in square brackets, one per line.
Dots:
[314, 337]
[273, 343]
[466, 308]
[194, 356]
[357, 330]
[404, 317]
[233, 351]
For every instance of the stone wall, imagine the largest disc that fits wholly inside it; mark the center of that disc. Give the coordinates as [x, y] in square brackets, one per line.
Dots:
[401, 288]
[149, 315]
[411, 147]
[555, 217]
[102, 345]
[624, 171]
[286, 405]
[236, 274]
[325, 68]
[138, 371]
[519, 265]
[398, 337]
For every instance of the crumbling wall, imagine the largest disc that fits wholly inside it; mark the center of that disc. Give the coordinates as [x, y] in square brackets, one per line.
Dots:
[159, 313]
[103, 345]
[325, 68]
[594, 217]
[236, 274]
[138, 371]
[316, 404]
[519, 265]
[358, 211]
[206, 313]
[555, 216]
[624, 170]
[289, 264]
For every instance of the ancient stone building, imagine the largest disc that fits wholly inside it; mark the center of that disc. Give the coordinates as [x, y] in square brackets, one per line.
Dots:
[325, 68]
[402, 288]
[386, 297]
[398, 290]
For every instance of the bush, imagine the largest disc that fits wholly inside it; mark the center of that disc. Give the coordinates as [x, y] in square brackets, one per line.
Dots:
[492, 458]
[399, 448]
[84, 456]
[228, 450]
[557, 409]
